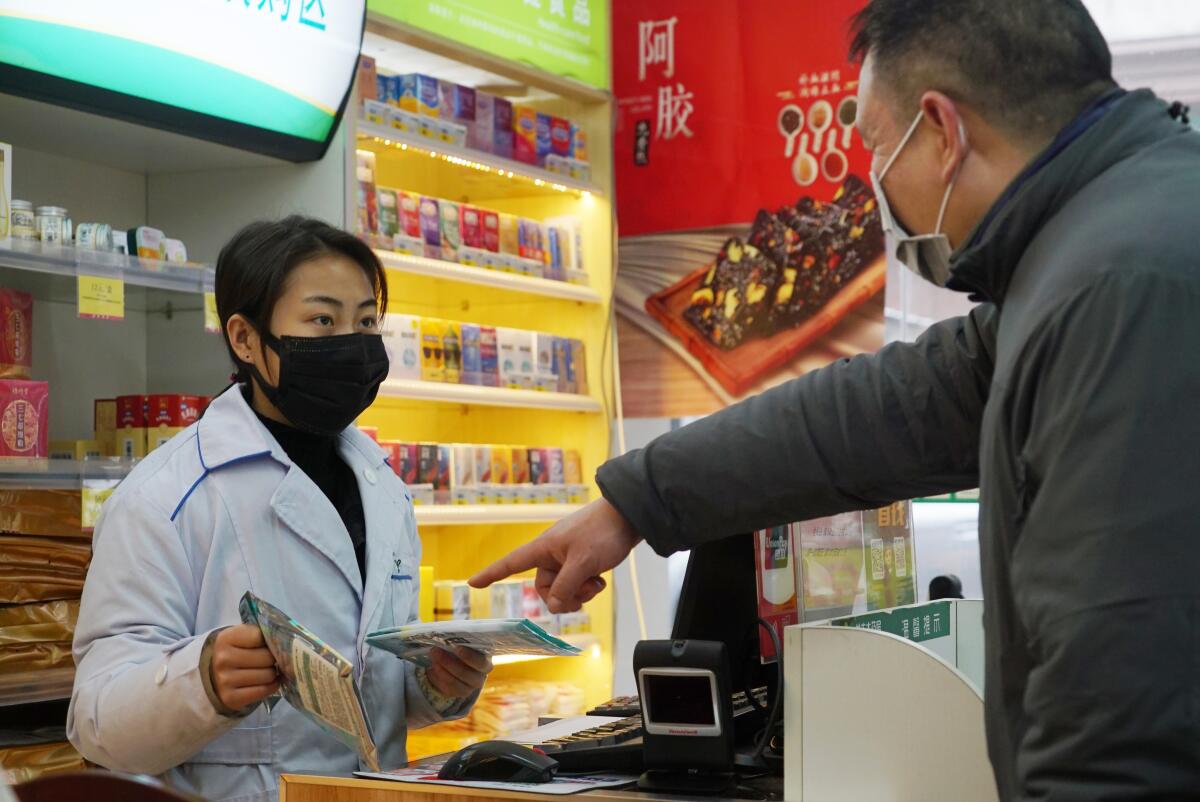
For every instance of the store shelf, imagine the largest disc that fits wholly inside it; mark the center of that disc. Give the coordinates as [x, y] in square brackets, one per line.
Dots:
[436, 268]
[487, 396]
[487, 165]
[469, 514]
[59, 474]
[28, 687]
[68, 261]
[582, 642]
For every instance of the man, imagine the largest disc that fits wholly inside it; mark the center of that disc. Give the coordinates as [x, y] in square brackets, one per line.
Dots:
[1070, 395]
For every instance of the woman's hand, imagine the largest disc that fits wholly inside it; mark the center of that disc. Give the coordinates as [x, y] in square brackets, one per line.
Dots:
[243, 668]
[458, 674]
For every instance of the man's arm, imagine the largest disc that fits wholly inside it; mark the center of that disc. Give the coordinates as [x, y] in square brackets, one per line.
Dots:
[856, 434]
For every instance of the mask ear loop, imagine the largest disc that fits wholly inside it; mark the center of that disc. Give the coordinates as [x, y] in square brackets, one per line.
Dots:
[962, 135]
[912, 129]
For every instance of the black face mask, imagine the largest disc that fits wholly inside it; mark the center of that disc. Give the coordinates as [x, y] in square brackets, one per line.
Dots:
[325, 382]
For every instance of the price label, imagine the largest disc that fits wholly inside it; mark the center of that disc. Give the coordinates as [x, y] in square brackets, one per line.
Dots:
[95, 493]
[101, 297]
[212, 323]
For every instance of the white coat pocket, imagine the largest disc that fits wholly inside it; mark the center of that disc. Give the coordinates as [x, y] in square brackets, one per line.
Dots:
[248, 743]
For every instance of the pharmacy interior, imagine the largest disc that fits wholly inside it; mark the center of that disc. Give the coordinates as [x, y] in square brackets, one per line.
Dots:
[591, 237]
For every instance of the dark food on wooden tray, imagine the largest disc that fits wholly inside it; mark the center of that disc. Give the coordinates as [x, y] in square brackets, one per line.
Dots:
[793, 262]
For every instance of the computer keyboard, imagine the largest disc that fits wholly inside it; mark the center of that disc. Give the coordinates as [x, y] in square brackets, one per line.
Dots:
[624, 706]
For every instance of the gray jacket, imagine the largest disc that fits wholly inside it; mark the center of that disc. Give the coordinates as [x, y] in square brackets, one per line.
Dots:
[1071, 397]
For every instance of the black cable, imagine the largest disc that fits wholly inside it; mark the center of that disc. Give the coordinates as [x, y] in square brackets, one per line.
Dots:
[777, 704]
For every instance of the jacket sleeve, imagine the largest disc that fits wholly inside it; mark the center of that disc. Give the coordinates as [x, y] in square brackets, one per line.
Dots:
[856, 434]
[139, 704]
[423, 704]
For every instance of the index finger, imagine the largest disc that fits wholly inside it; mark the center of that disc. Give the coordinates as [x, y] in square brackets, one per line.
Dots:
[522, 559]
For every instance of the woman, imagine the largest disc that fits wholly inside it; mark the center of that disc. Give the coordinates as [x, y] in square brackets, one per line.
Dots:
[272, 491]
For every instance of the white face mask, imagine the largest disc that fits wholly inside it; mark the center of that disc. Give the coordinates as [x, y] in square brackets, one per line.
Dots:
[927, 255]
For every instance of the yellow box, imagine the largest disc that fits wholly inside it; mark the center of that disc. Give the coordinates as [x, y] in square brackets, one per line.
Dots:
[159, 436]
[426, 597]
[131, 443]
[105, 413]
[433, 361]
[107, 442]
[75, 449]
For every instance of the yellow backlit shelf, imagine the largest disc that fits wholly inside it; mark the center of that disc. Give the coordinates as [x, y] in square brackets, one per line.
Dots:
[452, 271]
[471, 514]
[487, 396]
[588, 644]
[379, 138]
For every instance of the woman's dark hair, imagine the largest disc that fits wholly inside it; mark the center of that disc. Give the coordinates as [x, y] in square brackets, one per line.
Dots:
[253, 267]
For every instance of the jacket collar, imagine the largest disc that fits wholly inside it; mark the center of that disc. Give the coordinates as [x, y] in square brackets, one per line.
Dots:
[1133, 122]
[230, 432]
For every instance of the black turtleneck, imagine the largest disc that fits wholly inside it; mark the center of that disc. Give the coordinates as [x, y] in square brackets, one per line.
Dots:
[317, 456]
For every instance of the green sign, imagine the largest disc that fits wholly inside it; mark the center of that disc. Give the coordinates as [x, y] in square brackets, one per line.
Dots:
[917, 624]
[563, 37]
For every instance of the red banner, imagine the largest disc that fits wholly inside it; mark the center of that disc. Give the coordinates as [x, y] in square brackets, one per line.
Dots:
[725, 107]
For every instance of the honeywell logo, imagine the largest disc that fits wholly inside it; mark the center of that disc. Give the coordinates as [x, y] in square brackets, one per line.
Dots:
[673, 731]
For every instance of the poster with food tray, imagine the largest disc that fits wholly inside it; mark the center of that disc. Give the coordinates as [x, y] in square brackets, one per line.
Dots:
[768, 296]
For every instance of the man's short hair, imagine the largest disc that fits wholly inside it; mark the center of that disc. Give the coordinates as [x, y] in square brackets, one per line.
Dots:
[1027, 66]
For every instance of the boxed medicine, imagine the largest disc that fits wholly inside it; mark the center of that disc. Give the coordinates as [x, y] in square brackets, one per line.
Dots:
[131, 426]
[24, 424]
[16, 333]
[472, 369]
[420, 94]
[433, 363]
[452, 352]
[402, 340]
[431, 227]
[525, 135]
[451, 230]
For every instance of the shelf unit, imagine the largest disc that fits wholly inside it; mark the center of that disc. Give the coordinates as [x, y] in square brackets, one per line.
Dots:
[488, 396]
[488, 168]
[136, 271]
[492, 514]
[495, 279]
[30, 687]
[458, 541]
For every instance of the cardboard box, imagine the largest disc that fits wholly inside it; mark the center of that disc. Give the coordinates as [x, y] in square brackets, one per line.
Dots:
[544, 149]
[427, 466]
[410, 214]
[562, 358]
[387, 88]
[539, 466]
[457, 103]
[402, 341]
[409, 469]
[431, 227]
[572, 467]
[522, 466]
[491, 230]
[167, 416]
[503, 135]
[451, 230]
[578, 143]
[6, 195]
[509, 345]
[452, 352]
[131, 426]
[525, 135]
[16, 331]
[472, 227]
[510, 234]
[489, 357]
[391, 450]
[389, 216]
[433, 362]
[420, 94]
[368, 79]
[24, 424]
[472, 372]
[443, 484]
[578, 368]
[483, 464]
[546, 344]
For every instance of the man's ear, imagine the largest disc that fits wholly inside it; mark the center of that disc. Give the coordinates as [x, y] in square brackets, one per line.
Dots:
[942, 114]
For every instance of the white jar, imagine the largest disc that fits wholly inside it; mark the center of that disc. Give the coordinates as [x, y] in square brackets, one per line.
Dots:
[52, 224]
[24, 224]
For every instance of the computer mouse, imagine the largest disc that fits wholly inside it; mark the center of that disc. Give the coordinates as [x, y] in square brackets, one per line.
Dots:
[499, 761]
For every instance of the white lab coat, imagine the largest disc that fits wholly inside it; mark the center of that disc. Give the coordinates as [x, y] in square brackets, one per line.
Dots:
[217, 511]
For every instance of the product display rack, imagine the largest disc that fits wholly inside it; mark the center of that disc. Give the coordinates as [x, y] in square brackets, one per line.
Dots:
[459, 540]
[495, 279]
[136, 271]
